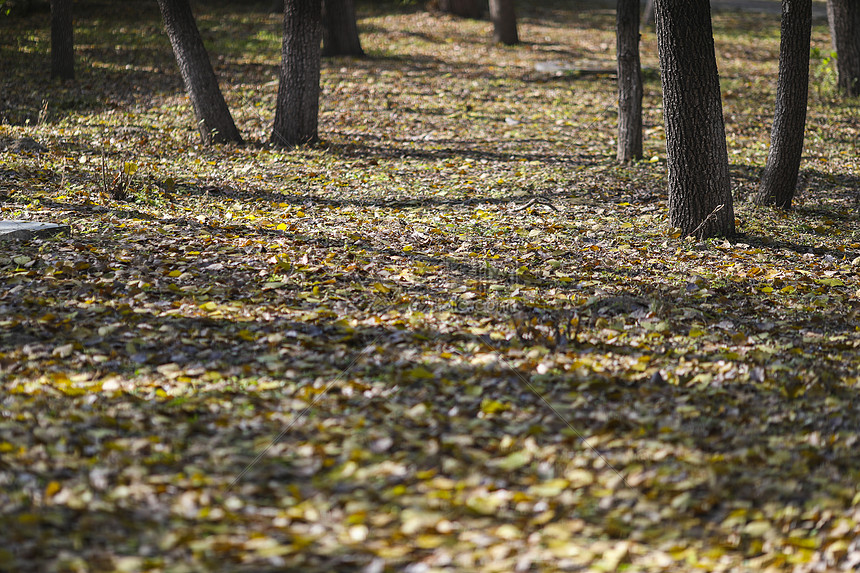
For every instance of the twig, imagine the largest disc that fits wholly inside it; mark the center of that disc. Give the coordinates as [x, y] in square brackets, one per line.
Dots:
[708, 218]
[533, 201]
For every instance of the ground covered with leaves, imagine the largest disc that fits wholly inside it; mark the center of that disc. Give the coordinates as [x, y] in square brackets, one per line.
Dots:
[456, 336]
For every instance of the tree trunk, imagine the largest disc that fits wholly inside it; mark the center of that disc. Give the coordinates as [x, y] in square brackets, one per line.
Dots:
[504, 16]
[210, 110]
[62, 40]
[463, 8]
[297, 111]
[844, 17]
[700, 198]
[629, 81]
[779, 180]
[340, 29]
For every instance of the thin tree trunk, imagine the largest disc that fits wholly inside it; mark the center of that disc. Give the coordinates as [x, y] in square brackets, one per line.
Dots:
[62, 40]
[504, 16]
[779, 180]
[629, 81]
[214, 121]
[844, 17]
[700, 198]
[340, 29]
[297, 112]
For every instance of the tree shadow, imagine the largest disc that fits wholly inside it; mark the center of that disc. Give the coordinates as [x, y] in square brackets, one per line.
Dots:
[620, 421]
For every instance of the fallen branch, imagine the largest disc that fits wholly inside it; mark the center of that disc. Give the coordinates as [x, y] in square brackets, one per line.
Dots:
[536, 201]
[708, 218]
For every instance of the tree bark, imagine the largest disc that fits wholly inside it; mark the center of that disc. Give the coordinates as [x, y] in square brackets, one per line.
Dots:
[297, 111]
[340, 29]
[504, 16]
[700, 198]
[844, 17]
[214, 121]
[629, 81]
[779, 180]
[463, 8]
[62, 40]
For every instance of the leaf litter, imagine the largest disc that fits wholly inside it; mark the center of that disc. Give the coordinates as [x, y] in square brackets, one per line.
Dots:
[455, 336]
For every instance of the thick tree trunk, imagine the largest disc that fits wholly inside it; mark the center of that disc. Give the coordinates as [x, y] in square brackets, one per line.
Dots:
[700, 198]
[62, 40]
[463, 8]
[504, 16]
[844, 17]
[779, 180]
[214, 121]
[297, 111]
[340, 29]
[629, 81]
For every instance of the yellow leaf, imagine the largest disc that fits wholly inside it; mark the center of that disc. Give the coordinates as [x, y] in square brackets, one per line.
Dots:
[282, 227]
[428, 541]
[549, 488]
[514, 461]
[419, 373]
[803, 542]
[757, 528]
[174, 273]
[379, 287]
[209, 306]
[578, 477]
[485, 505]
[489, 406]
[52, 489]
[246, 334]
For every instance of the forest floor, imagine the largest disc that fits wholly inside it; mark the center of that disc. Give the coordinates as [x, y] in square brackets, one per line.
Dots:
[455, 336]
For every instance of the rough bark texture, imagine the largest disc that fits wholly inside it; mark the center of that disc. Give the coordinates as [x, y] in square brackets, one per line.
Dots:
[629, 81]
[779, 180]
[214, 121]
[340, 29]
[62, 40]
[463, 8]
[504, 16]
[844, 17]
[700, 198]
[297, 112]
